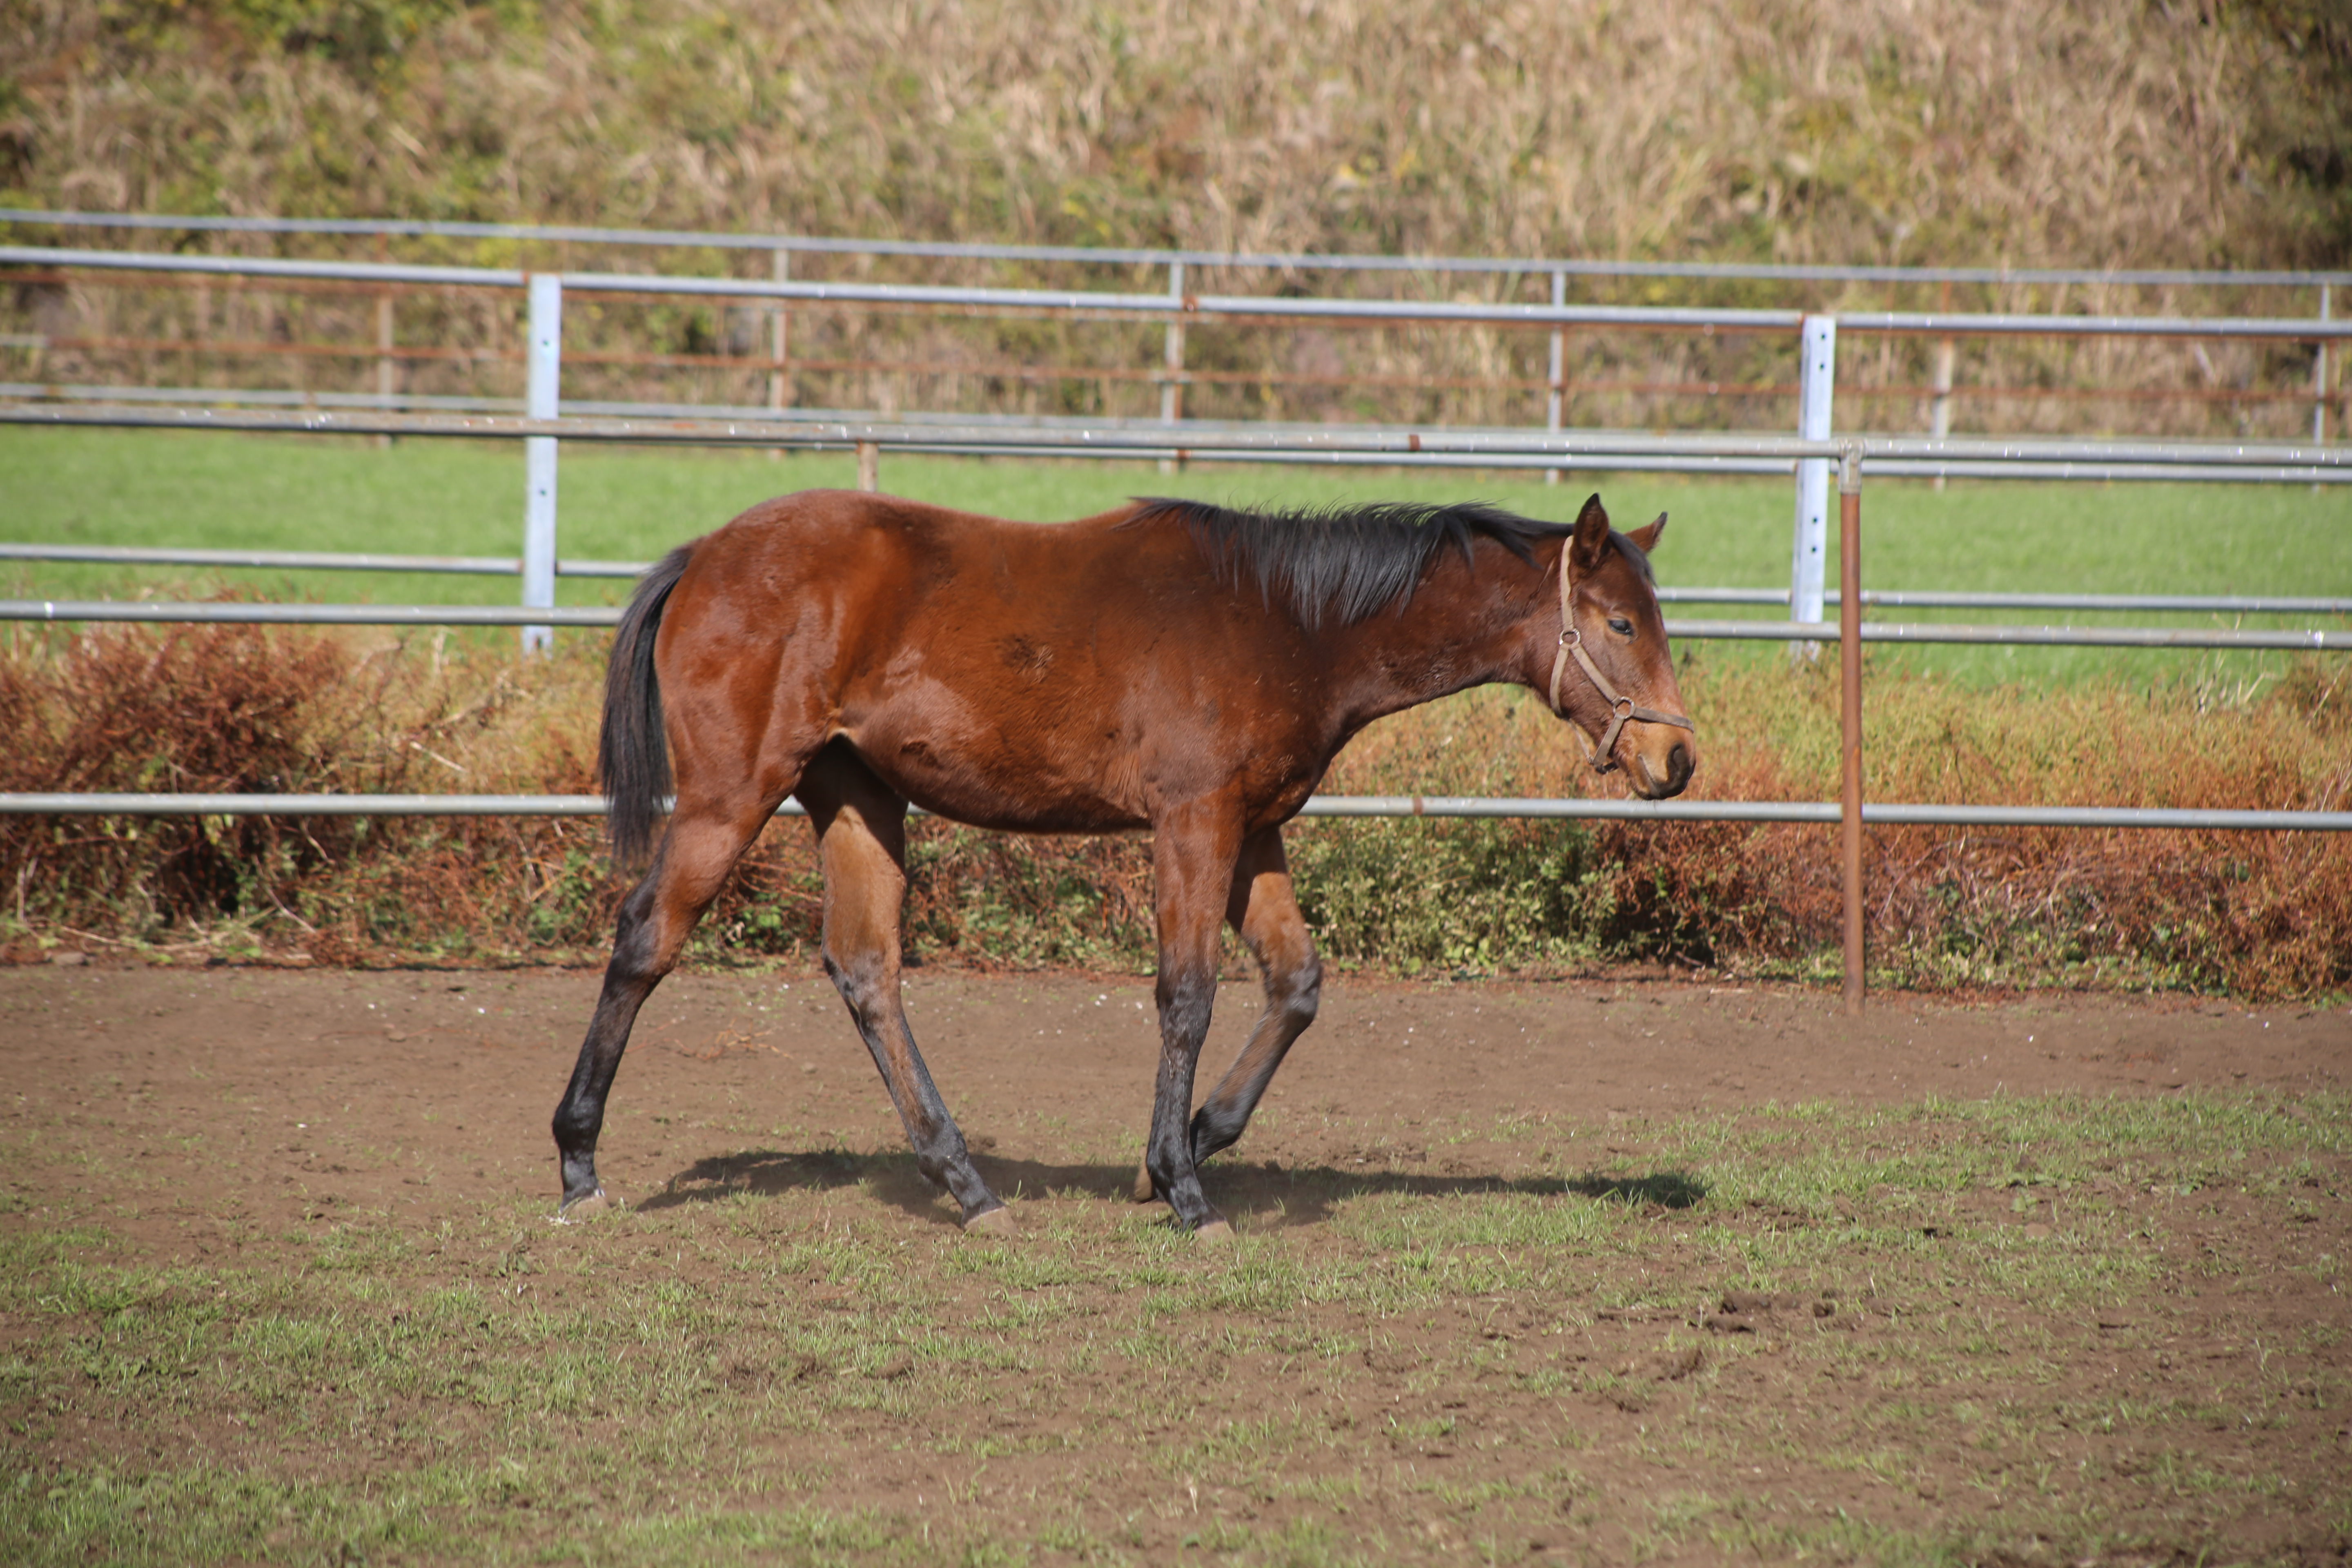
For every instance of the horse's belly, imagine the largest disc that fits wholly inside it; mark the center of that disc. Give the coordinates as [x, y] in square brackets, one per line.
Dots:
[1012, 790]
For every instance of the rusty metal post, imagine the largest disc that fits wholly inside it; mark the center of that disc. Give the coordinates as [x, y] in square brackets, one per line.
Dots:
[1850, 712]
[870, 465]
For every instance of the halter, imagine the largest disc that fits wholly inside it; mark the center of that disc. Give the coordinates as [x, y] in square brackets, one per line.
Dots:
[1620, 707]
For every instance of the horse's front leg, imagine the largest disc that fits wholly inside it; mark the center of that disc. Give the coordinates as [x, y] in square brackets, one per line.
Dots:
[1262, 908]
[1193, 854]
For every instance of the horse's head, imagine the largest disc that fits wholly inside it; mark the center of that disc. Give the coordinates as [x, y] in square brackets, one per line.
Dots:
[1611, 672]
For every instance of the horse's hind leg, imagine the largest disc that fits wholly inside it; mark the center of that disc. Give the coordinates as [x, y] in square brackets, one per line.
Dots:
[861, 827]
[702, 845]
[1262, 907]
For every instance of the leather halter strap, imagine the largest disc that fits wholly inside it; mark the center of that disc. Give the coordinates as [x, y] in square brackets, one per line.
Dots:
[1620, 707]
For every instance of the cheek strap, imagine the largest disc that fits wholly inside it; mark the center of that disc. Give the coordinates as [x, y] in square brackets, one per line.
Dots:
[1620, 707]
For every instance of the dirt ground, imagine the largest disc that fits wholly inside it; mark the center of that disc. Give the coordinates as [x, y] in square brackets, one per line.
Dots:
[459, 1069]
[252, 1102]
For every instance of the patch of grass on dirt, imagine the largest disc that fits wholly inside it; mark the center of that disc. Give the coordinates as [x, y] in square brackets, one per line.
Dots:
[2059, 1328]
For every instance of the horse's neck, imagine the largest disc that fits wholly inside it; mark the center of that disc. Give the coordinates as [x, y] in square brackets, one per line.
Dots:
[1457, 632]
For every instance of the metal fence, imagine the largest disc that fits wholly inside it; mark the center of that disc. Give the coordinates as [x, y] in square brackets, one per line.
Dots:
[546, 420]
[1412, 273]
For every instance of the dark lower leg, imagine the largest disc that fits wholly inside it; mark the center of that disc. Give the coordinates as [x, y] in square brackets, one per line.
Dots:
[1185, 999]
[1194, 853]
[580, 1116]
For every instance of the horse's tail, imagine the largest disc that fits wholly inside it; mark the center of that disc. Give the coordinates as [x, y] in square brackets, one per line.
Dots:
[632, 752]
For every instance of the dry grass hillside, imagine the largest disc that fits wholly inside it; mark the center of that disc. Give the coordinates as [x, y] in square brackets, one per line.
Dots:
[2100, 132]
[2106, 133]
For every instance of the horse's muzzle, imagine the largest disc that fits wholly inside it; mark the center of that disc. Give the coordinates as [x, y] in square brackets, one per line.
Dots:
[1660, 772]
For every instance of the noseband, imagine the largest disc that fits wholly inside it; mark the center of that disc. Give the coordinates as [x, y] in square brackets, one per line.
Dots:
[1620, 707]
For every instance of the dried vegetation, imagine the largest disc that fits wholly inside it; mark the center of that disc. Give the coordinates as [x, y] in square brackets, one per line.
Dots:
[2110, 132]
[241, 709]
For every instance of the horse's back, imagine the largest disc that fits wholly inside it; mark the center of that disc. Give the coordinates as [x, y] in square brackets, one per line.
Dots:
[900, 550]
[1010, 674]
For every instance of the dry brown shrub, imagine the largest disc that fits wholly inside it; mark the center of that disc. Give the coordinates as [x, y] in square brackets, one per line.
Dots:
[2258, 913]
[181, 709]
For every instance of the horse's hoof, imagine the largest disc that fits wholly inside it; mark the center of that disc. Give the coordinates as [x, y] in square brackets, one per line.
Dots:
[1143, 1192]
[598, 1201]
[998, 1221]
[1216, 1233]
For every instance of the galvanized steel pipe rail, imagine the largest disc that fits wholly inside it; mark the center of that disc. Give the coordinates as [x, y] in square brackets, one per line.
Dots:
[1161, 305]
[236, 613]
[1882, 814]
[1286, 260]
[2296, 461]
[510, 565]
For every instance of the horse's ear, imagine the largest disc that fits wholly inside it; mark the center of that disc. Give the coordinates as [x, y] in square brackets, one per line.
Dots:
[1592, 535]
[1645, 539]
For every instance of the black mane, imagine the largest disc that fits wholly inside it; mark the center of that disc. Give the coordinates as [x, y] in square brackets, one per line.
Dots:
[1348, 561]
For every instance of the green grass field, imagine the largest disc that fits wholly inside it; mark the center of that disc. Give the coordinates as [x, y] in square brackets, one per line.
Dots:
[454, 498]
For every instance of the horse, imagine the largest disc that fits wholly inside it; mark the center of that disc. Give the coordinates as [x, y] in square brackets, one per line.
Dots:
[1171, 665]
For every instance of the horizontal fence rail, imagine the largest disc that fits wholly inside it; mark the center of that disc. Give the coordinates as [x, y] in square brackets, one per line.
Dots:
[326, 397]
[574, 234]
[1161, 305]
[231, 613]
[510, 565]
[234, 613]
[1874, 813]
[319, 561]
[1700, 451]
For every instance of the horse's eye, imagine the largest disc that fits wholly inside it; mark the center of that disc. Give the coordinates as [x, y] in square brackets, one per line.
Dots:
[1620, 626]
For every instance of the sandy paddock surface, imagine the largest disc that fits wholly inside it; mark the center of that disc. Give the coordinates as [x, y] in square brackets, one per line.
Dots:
[223, 1119]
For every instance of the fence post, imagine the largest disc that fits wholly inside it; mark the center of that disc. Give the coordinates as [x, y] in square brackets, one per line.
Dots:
[1559, 377]
[1939, 413]
[870, 465]
[780, 348]
[1849, 713]
[1816, 381]
[1172, 386]
[544, 358]
[2319, 382]
[384, 339]
[384, 368]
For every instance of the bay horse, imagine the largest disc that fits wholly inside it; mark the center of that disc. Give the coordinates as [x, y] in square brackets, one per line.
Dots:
[1169, 664]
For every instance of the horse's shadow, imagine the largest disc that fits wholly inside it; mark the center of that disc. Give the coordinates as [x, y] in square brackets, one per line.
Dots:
[1262, 1195]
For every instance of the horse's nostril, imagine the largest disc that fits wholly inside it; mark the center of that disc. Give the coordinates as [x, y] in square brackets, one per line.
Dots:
[1678, 765]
